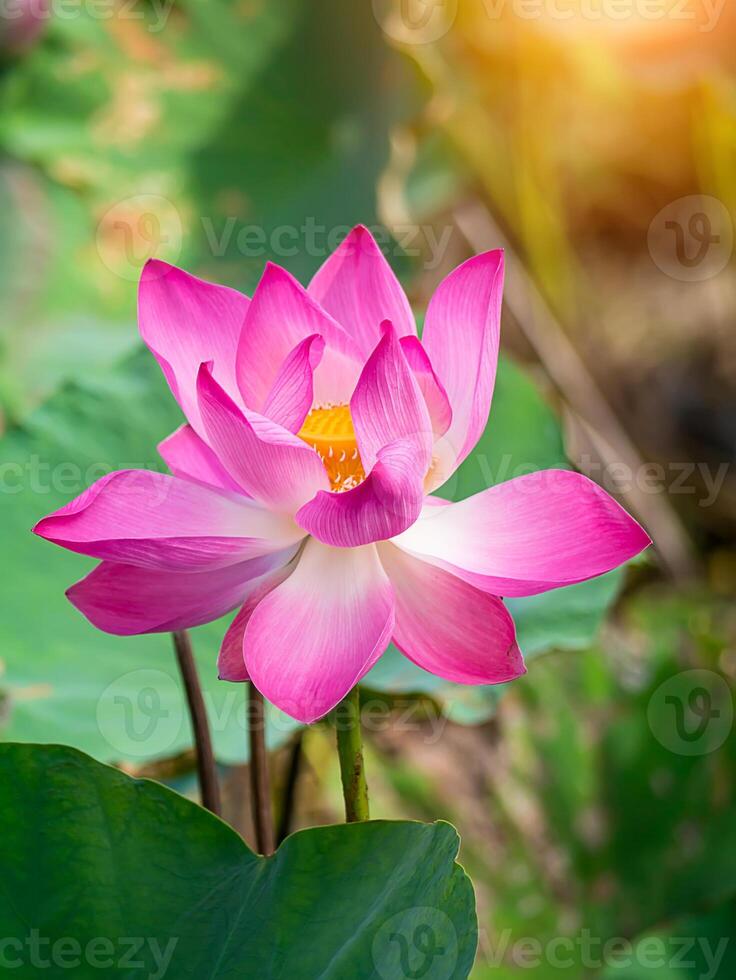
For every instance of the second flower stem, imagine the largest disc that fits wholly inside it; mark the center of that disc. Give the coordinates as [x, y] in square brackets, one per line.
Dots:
[209, 789]
[288, 802]
[350, 752]
[260, 789]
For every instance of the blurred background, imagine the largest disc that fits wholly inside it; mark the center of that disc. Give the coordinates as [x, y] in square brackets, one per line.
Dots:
[596, 141]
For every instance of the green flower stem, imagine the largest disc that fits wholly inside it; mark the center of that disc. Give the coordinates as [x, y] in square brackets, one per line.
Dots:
[260, 789]
[350, 752]
[209, 789]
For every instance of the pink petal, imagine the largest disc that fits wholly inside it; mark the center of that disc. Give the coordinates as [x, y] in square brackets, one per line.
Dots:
[149, 519]
[128, 599]
[281, 315]
[290, 399]
[387, 502]
[313, 638]
[435, 396]
[461, 337]
[357, 286]
[537, 532]
[189, 457]
[387, 404]
[231, 661]
[185, 321]
[447, 626]
[272, 464]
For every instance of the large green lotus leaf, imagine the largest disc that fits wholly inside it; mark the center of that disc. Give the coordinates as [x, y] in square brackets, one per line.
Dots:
[125, 862]
[97, 125]
[522, 436]
[114, 697]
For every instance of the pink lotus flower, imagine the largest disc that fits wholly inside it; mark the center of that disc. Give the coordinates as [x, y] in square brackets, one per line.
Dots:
[318, 427]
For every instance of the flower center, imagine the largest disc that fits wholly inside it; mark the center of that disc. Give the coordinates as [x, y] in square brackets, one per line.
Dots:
[329, 431]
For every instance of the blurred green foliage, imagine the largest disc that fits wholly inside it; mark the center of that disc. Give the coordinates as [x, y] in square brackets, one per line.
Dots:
[224, 136]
